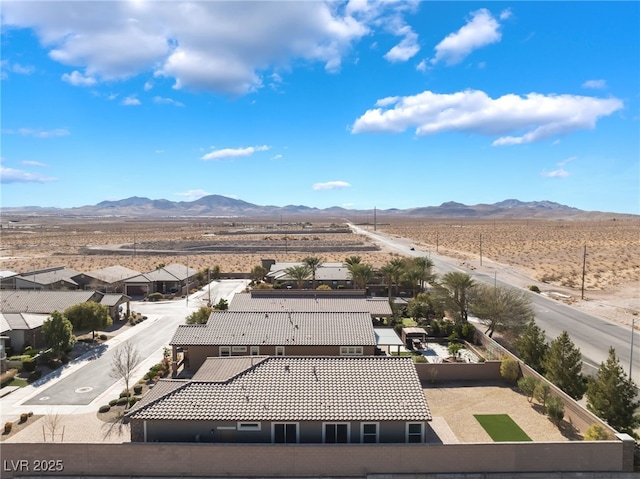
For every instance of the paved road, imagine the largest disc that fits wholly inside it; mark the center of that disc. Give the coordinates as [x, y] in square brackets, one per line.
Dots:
[591, 334]
[85, 379]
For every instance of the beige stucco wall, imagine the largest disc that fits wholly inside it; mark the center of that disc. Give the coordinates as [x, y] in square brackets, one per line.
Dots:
[177, 460]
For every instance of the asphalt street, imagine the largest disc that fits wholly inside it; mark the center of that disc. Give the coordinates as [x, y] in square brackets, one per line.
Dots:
[593, 335]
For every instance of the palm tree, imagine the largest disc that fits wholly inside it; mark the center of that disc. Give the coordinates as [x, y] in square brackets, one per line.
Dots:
[298, 273]
[351, 260]
[392, 271]
[361, 273]
[313, 263]
[424, 265]
[456, 288]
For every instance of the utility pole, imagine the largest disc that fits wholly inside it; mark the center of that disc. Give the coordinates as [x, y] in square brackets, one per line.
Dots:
[187, 282]
[436, 242]
[375, 221]
[584, 269]
[633, 327]
[480, 249]
[209, 283]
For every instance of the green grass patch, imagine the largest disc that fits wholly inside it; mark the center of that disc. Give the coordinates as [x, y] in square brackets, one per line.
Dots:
[409, 322]
[17, 382]
[501, 428]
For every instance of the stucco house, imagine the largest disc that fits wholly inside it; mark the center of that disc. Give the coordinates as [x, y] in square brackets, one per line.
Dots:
[308, 399]
[334, 275]
[56, 278]
[242, 333]
[346, 301]
[171, 279]
[107, 280]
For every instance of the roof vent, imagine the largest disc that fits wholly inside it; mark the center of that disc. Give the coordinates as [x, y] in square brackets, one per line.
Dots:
[287, 368]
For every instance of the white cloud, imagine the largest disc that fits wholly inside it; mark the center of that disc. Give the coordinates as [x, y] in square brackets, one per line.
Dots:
[406, 49]
[505, 14]
[38, 133]
[22, 69]
[130, 101]
[192, 195]
[34, 163]
[276, 157]
[595, 84]
[78, 79]
[233, 152]
[559, 173]
[480, 30]
[331, 185]
[167, 101]
[148, 86]
[422, 66]
[533, 117]
[11, 175]
[223, 47]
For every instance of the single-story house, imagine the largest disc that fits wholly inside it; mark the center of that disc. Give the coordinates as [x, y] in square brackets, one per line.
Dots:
[318, 301]
[171, 279]
[56, 278]
[107, 280]
[241, 333]
[22, 330]
[334, 275]
[8, 279]
[118, 304]
[309, 399]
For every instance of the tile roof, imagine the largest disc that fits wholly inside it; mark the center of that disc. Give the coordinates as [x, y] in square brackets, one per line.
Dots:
[22, 321]
[375, 306]
[256, 328]
[172, 272]
[111, 299]
[112, 274]
[52, 276]
[219, 370]
[367, 388]
[180, 271]
[23, 301]
[326, 272]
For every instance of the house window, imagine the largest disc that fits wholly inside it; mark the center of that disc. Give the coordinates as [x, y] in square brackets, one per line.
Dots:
[255, 350]
[238, 349]
[369, 432]
[285, 432]
[335, 433]
[225, 350]
[350, 350]
[249, 426]
[279, 350]
[415, 432]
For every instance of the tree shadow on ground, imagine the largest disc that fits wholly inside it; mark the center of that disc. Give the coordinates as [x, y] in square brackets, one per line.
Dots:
[115, 424]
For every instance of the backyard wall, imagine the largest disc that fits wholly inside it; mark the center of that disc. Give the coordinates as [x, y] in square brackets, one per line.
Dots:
[356, 460]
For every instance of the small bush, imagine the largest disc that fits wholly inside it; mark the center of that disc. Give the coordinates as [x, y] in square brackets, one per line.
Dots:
[30, 413]
[541, 393]
[137, 389]
[534, 288]
[154, 296]
[34, 376]
[7, 427]
[29, 351]
[125, 394]
[510, 370]
[597, 433]
[105, 408]
[113, 402]
[528, 386]
[23, 417]
[103, 337]
[555, 410]
[133, 400]
[29, 364]
[122, 401]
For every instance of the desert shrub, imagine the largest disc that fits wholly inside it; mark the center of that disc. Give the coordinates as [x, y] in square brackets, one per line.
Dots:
[596, 432]
[8, 376]
[34, 376]
[23, 417]
[419, 358]
[7, 427]
[510, 370]
[555, 409]
[29, 364]
[113, 402]
[133, 400]
[541, 392]
[468, 331]
[528, 386]
[122, 401]
[534, 288]
[103, 337]
[137, 389]
[125, 394]
[105, 408]
[324, 287]
[143, 318]
[154, 296]
[30, 413]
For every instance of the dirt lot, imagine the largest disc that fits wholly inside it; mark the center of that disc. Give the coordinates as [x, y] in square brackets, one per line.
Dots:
[548, 253]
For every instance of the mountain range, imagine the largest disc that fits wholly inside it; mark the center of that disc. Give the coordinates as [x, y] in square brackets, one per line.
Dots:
[225, 207]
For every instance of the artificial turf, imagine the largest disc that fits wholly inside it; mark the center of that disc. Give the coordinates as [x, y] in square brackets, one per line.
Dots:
[501, 428]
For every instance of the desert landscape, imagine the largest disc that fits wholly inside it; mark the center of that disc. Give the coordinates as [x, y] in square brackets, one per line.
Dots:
[548, 253]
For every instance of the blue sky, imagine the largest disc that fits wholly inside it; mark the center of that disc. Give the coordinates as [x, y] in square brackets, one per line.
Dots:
[355, 104]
